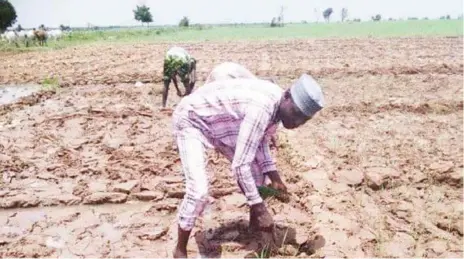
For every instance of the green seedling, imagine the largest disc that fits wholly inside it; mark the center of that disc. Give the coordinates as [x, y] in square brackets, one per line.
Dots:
[264, 252]
[267, 192]
[51, 84]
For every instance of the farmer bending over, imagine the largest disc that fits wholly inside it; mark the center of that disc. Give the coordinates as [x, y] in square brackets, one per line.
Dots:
[232, 70]
[178, 63]
[237, 117]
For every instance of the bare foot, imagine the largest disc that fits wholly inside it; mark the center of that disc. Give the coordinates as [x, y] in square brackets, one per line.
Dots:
[167, 111]
[179, 253]
[310, 246]
[260, 219]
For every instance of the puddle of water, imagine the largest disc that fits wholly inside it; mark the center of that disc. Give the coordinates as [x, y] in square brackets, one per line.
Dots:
[11, 93]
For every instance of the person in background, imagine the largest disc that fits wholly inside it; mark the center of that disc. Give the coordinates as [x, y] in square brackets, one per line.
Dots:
[229, 70]
[178, 62]
[232, 70]
[237, 117]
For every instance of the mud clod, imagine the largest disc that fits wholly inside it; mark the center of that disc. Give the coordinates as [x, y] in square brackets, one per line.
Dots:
[126, 187]
[92, 170]
[103, 197]
[149, 195]
[378, 177]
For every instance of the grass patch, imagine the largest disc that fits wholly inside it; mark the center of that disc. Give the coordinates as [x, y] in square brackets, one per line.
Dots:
[196, 33]
[51, 84]
[290, 31]
[265, 252]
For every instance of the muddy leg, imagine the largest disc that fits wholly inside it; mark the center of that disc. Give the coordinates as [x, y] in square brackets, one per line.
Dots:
[192, 156]
[182, 240]
[165, 91]
[193, 78]
[188, 90]
[174, 80]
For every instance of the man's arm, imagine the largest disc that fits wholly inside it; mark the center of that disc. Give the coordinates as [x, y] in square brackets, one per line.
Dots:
[174, 80]
[192, 76]
[249, 139]
[264, 158]
[268, 166]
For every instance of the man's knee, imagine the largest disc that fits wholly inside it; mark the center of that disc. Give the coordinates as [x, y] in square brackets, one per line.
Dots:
[192, 207]
[184, 225]
[198, 189]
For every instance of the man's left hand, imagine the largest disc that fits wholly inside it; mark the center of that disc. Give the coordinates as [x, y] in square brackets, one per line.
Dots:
[279, 185]
[276, 182]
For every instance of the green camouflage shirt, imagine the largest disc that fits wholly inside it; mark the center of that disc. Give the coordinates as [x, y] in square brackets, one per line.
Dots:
[177, 60]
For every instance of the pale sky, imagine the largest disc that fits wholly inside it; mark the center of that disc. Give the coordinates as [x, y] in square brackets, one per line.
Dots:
[119, 12]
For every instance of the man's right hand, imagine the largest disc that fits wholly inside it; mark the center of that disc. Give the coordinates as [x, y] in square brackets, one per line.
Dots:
[260, 218]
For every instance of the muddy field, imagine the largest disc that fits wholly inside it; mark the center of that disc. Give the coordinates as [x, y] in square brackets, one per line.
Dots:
[91, 169]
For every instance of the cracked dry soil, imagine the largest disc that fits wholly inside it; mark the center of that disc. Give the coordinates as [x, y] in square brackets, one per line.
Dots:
[91, 171]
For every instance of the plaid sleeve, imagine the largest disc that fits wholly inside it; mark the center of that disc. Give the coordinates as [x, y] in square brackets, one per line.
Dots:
[250, 136]
[264, 158]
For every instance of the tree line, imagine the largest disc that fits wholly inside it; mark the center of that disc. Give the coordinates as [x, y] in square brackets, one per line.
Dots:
[143, 15]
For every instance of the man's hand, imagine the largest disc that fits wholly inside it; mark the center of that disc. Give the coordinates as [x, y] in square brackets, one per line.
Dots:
[276, 182]
[280, 186]
[273, 143]
[260, 219]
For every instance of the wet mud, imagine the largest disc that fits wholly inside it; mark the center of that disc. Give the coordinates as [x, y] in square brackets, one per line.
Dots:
[91, 170]
[11, 93]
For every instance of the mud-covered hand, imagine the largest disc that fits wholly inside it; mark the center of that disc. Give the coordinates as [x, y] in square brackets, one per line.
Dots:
[276, 181]
[280, 186]
[260, 218]
[273, 143]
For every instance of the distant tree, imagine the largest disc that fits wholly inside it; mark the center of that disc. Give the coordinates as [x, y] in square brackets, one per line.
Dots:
[448, 17]
[344, 14]
[377, 18]
[184, 22]
[19, 28]
[142, 14]
[279, 20]
[412, 18]
[425, 18]
[327, 13]
[274, 22]
[356, 20]
[391, 19]
[42, 27]
[7, 15]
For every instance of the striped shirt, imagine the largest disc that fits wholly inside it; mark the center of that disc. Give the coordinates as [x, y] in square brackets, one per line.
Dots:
[236, 113]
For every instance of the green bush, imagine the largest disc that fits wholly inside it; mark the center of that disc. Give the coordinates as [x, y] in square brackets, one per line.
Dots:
[185, 22]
